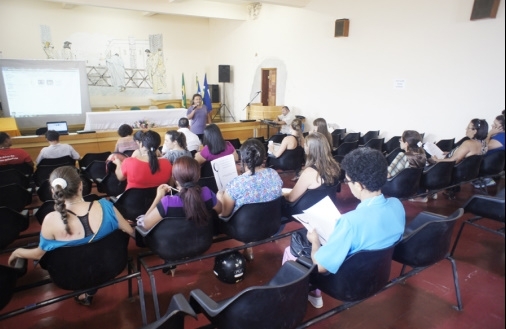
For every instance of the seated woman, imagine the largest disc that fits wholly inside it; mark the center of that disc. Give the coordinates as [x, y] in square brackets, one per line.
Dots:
[215, 146]
[476, 131]
[256, 184]
[64, 227]
[175, 143]
[290, 142]
[320, 125]
[321, 169]
[413, 155]
[376, 223]
[126, 141]
[192, 201]
[495, 137]
[145, 170]
[138, 138]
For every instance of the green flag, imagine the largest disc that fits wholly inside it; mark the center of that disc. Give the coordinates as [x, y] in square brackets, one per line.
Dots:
[183, 93]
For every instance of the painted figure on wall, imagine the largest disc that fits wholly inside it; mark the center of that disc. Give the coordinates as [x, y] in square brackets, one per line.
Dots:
[66, 51]
[155, 70]
[117, 70]
[49, 50]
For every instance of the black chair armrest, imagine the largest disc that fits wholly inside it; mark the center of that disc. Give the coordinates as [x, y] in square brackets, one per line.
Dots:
[179, 303]
[306, 261]
[208, 305]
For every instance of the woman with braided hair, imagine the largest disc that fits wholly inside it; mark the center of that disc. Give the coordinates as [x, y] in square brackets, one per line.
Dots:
[74, 221]
[145, 170]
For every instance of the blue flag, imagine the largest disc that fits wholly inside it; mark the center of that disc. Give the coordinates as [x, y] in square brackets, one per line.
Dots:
[207, 95]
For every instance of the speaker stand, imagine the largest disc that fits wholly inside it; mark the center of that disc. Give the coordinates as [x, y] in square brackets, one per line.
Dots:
[224, 108]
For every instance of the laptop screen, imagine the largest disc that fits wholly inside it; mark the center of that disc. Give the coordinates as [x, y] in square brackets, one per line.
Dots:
[59, 126]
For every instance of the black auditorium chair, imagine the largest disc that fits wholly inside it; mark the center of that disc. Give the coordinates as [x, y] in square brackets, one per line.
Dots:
[491, 166]
[254, 221]
[310, 198]
[464, 171]
[281, 303]
[437, 176]
[351, 137]
[174, 317]
[375, 143]
[110, 184]
[135, 201]
[289, 160]
[45, 208]
[12, 223]
[404, 184]
[345, 148]
[425, 242]
[95, 170]
[23, 168]
[361, 275]
[483, 207]
[46, 167]
[391, 144]
[372, 134]
[173, 239]
[337, 136]
[236, 143]
[446, 145]
[393, 154]
[15, 196]
[88, 158]
[93, 265]
[8, 277]
[207, 177]
[44, 191]
[12, 176]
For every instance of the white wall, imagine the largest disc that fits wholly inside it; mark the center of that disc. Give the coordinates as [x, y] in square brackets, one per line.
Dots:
[453, 67]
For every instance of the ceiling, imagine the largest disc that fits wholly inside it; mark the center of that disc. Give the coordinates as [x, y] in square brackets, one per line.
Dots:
[226, 9]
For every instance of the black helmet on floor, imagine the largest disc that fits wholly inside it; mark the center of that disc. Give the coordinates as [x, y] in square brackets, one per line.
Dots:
[230, 267]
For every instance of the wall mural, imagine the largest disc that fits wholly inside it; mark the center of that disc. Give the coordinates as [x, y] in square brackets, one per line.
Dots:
[114, 65]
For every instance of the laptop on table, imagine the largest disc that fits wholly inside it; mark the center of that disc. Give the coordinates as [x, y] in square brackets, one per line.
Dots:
[59, 126]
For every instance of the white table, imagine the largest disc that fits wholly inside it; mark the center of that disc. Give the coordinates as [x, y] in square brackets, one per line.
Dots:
[113, 119]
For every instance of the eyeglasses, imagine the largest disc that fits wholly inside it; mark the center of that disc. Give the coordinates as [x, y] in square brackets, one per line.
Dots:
[347, 181]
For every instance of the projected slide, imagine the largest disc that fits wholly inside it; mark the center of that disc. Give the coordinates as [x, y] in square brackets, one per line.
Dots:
[35, 92]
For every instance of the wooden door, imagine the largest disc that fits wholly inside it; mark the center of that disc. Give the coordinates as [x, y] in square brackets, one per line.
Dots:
[269, 86]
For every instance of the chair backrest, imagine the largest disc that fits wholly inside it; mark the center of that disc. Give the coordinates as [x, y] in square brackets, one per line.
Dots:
[426, 239]
[207, 177]
[337, 136]
[110, 184]
[311, 197]
[281, 303]
[46, 167]
[88, 265]
[8, 278]
[391, 144]
[467, 169]
[404, 184]
[12, 176]
[254, 221]
[62, 161]
[346, 147]
[236, 143]
[437, 176]
[24, 168]
[15, 196]
[135, 201]
[44, 191]
[12, 223]
[90, 157]
[289, 160]
[351, 137]
[175, 238]
[375, 143]
[360, 276]
[368, 136]
[45, 208]
[391, 156]
[96, 169]
[486, 206]
[446, 145]
[492, 164]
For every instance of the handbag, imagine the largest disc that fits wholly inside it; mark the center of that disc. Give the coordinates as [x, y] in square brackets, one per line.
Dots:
[300, 245]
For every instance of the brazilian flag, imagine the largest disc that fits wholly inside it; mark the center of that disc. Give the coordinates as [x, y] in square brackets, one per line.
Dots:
[183, 93]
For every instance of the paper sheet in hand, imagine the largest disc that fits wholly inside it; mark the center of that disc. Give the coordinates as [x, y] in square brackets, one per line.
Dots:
[224, 170]
[433, 149]
[322, 217]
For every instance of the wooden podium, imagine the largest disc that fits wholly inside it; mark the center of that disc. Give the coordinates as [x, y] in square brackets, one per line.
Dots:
[260, 112]
[9, 125]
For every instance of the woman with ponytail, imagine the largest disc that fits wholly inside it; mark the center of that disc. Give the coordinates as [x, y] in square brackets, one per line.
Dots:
[145, 170]
[413, 155]
[74, 221]
[191, 201]
[175, 144]
[291, 141]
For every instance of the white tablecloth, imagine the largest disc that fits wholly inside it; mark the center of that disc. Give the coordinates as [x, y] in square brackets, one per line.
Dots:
[113, 119]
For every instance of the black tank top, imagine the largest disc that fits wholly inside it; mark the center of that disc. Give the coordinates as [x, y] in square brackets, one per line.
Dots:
[85, 221]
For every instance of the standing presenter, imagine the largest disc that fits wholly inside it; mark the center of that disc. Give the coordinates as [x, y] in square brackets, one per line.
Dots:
[198, 114]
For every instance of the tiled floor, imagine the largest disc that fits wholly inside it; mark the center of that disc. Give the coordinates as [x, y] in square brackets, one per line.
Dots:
[424, 301]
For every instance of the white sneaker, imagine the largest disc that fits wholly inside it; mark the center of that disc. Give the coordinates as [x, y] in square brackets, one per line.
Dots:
[317, 302]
